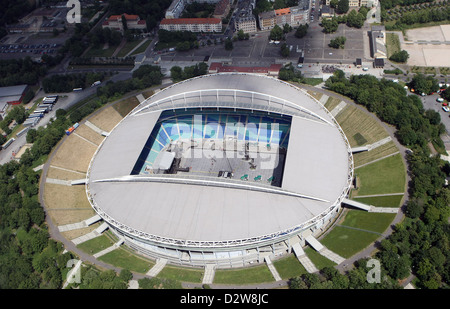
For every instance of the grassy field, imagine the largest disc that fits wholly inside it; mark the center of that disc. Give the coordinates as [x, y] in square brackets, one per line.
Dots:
[106, 119]
[315, 95]
[256, 274]
[357, 231]
[74, 154]
[331, 103]
[382, 177]
[289, 267]
[96, 244]
[141, 48]
[346, 241]
[354, 120]
[369, 221]
[125, 106]
[124, 259]
[317, 259]
[361, 158]
[100, 51]
[392, 44]
[182, 274]
[381, 201]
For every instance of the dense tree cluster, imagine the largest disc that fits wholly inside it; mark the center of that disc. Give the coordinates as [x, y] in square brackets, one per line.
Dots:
[28, 258]
[301, 31]
[67, 82]
[400, 56]
[387, 4]
[331, 278]
[17, 114]
[11, 12]
[403, 17]
[276, 33]
[338, 42]
[20, 71]
[419, 245]
[421, 83]
[178, 74]
[285, 51]
[287, 73]
[353, 19]
[92, 278]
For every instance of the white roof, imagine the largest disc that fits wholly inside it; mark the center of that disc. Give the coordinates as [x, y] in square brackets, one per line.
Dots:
[316, 172]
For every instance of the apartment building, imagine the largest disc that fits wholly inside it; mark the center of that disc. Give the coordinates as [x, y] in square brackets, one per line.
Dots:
[192, 24]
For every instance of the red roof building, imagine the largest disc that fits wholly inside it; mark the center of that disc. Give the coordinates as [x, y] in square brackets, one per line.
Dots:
[133, 22]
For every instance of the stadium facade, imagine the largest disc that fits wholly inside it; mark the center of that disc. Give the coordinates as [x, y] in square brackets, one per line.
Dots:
[221, 169]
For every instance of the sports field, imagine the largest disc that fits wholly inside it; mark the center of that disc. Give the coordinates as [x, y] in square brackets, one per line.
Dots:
[427, 46]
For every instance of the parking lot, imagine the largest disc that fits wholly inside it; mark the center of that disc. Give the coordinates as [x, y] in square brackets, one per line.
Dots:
[28, 49]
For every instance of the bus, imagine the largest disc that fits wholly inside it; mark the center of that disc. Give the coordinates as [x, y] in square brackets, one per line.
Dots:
[9, 142]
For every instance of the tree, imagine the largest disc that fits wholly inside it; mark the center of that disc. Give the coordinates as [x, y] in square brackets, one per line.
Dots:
[276, 33]
[338, 42]
[301, 31]
[355, 19]
[329, 25]
[285, 50]
[342, 6]
[400, 56]
[424, 84]
[228, 44]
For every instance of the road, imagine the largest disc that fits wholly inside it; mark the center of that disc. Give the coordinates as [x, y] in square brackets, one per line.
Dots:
[65, 101]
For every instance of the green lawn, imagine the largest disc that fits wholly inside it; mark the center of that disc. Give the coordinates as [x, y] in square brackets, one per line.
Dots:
[289, 267]
[100, 52]
[346, 241]
[392, 43]
[127, 48]
[142, 48]
[381, 201]
[381, 177]
[96, 244]
[256, 274]
[375, 222]
[124, 259]
[317, 259]
[182, 274]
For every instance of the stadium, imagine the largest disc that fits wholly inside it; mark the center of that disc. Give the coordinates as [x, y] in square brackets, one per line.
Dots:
[221, 169]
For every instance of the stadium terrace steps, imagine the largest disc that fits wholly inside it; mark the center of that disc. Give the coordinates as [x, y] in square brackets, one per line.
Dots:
[79, 225]
[210, 271]
[140, 98]
[95, 128]
[324, 251]
[324, 99]
[338, 108]
[109, 249]
[154, 271]
[97, 232]
[58, 181]
[304, 259]
[272, 269]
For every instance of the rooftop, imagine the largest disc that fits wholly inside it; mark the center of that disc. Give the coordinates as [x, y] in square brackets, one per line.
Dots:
[175, 21]
[210, 212]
